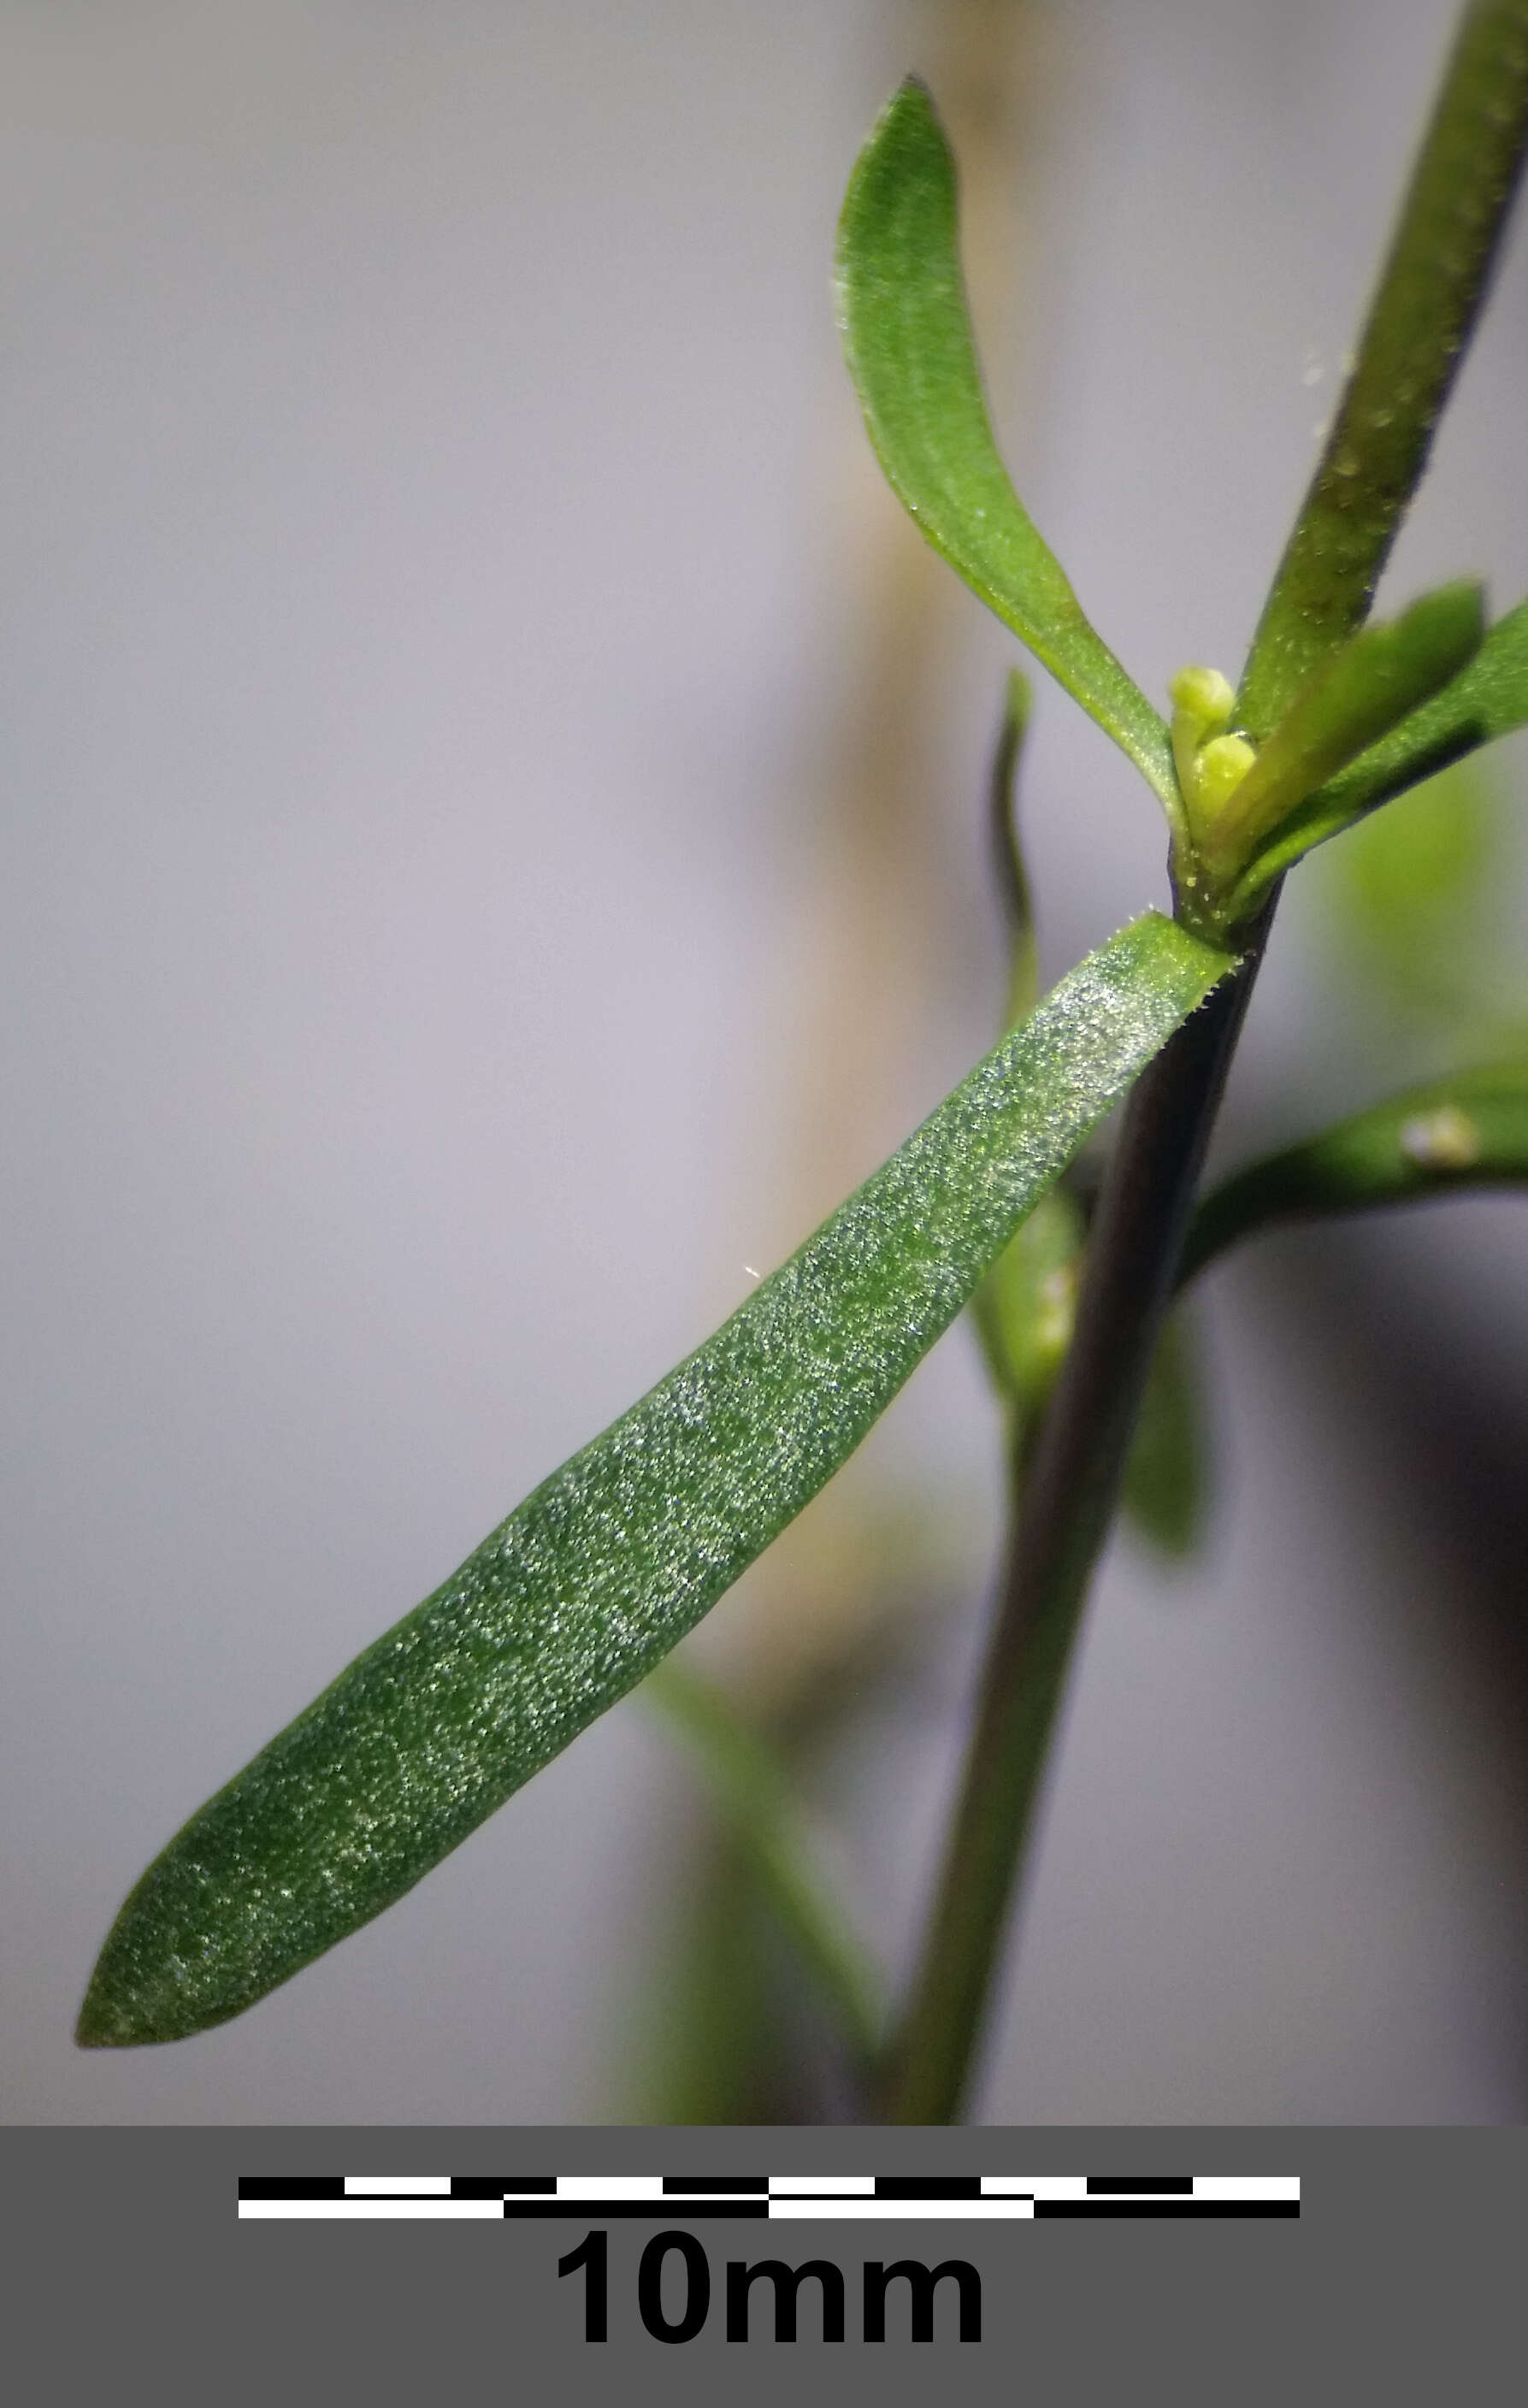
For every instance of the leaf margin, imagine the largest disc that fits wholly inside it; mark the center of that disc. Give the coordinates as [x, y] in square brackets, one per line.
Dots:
[306, 1843]
[902, 306]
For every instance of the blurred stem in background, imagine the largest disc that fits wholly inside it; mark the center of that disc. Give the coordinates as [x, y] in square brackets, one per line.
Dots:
[830, 1622]
[1424, 308]
[1411, 900]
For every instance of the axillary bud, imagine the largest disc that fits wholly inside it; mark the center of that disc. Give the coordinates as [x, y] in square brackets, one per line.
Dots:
[1210, 763]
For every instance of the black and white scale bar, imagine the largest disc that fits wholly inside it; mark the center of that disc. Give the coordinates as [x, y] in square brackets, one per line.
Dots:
[687, 2199]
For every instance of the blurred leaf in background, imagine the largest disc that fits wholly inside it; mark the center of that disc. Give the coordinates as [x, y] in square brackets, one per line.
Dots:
[826, 1631]
[764, 2006]
[1413, 906]
[1167, 1482]
[711, 2050]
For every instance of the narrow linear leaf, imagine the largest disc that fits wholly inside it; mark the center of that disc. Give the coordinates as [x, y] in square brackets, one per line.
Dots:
[753, 1794]
[1355, 695]
[1468, 1131]
[1024, 1309]
[906, 334]
[1419, 326]
[1008, 854]
[709, 2043]
[568, 1603]
[1413, 905]
[1488, 698]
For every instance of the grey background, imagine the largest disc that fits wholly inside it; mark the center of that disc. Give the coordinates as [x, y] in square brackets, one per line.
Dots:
[440, 545]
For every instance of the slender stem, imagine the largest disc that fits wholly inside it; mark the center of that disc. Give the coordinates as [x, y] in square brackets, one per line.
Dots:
[1428, 299]
[1067, 1501]
[1423, 313]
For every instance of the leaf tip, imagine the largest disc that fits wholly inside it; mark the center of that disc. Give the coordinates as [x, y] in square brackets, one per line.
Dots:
[911, 102]
[142, 1990]
[118, 2015]
[907, 137]
[101, 2022]
[1018, 698]
[1453, 618]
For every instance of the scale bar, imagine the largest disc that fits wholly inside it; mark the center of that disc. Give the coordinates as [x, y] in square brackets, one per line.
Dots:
[860, 2199]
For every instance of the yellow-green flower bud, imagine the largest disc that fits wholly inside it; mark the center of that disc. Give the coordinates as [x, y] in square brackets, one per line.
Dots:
[1219, 769]
[1209, 763]
[1204, 698]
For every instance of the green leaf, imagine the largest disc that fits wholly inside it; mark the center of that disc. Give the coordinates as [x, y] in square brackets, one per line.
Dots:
[568, 1603]
[1468, 1131]
[1419, 326]
[1011, 878]
[1411, 901]
[754, 1794]
[1025, 1312]
[707, 2039]
[1355, 695]
[907, 336]
[1488, 698]
[1167, 1479]
[1026, 1307]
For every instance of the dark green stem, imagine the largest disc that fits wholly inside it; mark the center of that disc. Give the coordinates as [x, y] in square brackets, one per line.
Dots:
[1423, 314]
[1420, 321]
[1063, 1514]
